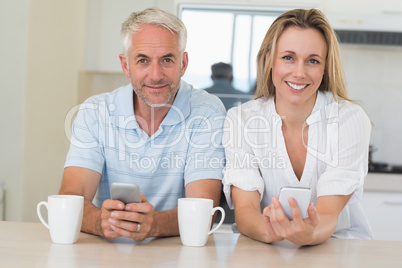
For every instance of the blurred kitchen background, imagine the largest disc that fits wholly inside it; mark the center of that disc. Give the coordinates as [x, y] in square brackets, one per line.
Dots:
[55, 54]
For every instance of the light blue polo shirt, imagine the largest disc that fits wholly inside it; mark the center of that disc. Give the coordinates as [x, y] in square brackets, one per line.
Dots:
[187, 146]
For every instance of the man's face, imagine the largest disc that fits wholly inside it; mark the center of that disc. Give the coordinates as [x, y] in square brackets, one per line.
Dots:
[155, 65]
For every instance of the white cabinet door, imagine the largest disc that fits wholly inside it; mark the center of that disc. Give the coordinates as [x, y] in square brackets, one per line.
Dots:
[384, 211]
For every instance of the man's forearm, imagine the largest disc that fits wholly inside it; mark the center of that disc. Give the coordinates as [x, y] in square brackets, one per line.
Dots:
[91, 222]
[165, 223]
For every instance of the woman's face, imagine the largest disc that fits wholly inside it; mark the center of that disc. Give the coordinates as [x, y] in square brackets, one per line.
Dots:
[298, 66]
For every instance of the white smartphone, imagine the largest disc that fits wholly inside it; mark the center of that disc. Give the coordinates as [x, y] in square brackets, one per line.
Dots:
[126, 192]
[302, 197]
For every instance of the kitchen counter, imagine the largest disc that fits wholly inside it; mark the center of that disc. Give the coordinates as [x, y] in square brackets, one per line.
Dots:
[382, 202]
[383, 182]
[29, 245]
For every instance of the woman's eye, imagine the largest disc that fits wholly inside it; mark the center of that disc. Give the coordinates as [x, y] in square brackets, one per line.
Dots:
[314, 61]
[287, 58]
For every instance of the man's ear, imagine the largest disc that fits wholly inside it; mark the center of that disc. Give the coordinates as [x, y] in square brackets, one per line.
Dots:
[184, 63]
[124, 65]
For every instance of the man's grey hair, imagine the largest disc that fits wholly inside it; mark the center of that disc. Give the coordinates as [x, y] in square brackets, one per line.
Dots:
[154, 16]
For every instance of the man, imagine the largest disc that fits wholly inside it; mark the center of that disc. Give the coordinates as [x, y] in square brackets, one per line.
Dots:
[158, 132]
[222, 76]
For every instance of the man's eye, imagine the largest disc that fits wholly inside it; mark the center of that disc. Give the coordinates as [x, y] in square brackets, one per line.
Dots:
[167, 60]
[142, 61]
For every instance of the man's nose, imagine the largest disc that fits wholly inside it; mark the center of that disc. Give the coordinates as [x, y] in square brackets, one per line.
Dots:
[155, 70]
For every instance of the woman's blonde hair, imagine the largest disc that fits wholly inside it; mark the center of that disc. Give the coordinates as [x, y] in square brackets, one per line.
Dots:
[333, 79]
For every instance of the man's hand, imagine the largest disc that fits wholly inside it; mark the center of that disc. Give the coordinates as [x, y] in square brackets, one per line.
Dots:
[107, 208]
[119, 220]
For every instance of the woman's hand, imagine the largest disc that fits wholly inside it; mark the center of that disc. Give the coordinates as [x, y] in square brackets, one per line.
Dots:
[269, 228]
[299, 231]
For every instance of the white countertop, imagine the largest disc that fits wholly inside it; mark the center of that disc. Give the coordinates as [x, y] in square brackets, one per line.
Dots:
[383, 182]
[29, 245]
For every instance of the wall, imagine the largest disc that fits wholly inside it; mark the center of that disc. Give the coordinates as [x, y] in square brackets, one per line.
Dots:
[44, 48]
[12, 95]
[104, 21]
[373, 79]
[55, 55]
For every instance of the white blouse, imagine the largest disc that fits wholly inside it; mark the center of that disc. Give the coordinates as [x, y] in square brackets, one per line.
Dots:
[336, 162]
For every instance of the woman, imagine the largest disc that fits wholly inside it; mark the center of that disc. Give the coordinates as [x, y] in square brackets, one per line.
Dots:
[302, 130]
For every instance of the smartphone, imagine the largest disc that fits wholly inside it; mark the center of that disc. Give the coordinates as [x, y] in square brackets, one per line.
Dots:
[126, 192]
[302, 197]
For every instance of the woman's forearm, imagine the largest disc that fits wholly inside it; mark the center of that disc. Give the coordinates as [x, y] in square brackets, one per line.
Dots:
[251, 223]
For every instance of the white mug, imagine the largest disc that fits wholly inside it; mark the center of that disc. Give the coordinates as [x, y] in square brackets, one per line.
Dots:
[64, 217]
[195, 216]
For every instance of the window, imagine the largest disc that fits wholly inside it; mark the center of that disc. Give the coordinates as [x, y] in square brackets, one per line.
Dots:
[222, 34]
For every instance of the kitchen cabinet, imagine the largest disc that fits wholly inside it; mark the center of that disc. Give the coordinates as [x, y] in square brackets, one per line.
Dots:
[384, 211]
[287, 3]
[362, 7]
[382, 202]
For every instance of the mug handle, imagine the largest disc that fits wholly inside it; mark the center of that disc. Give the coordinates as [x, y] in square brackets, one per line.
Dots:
[40, 214]
[222, 218]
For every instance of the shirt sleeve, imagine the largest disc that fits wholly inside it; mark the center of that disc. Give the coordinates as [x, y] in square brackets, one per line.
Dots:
[241, 169]
[85, 144]
[349, 143]
[205, 154]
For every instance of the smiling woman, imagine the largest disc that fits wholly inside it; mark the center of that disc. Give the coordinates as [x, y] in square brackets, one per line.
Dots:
[321, 135]
[298, 67]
